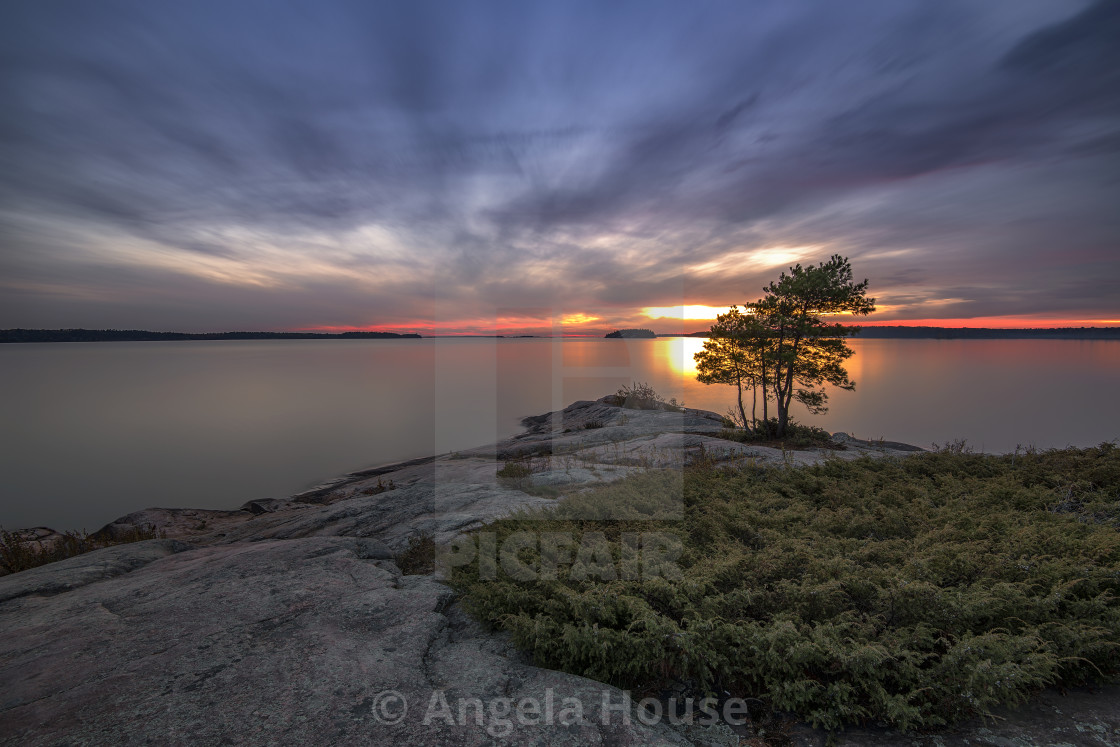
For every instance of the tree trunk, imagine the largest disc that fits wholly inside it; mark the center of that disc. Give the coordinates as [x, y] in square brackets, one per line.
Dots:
[779, 399]
[785, 395]
[739, 389]
[754, 408]
[778, 378]
[765, 401]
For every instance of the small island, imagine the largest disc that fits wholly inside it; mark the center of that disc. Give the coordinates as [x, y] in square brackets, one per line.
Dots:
[631, 334]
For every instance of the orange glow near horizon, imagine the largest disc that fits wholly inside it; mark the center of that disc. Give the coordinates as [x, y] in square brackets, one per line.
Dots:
[576, 319]
[991, 322]
[589, 325]
[575, 324]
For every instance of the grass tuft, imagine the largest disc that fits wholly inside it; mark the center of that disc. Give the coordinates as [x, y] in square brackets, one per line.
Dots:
[418, 558]
[642, 396]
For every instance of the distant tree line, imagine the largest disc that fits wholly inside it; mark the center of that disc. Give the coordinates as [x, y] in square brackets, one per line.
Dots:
[631, 333]
[138, 335]
[979, 333]
[984, 333]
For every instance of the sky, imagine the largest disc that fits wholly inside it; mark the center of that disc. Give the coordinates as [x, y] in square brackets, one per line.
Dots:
[560, 167]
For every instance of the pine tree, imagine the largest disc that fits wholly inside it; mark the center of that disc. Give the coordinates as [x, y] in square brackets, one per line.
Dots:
[782, 345]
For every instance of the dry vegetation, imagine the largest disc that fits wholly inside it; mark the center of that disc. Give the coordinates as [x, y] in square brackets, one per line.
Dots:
[18, 551]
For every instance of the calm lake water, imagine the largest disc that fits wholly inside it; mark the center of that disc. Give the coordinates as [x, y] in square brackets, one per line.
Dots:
[93, 431]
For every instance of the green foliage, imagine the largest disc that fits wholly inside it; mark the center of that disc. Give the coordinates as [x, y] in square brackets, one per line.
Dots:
[797, 436]
[732, 355]
[632, 333]
[18, 551]
[516, 474]
[515, 470]
[543, 491]
[807, 353]
[782, 346]
[914, 592]
[419, 557]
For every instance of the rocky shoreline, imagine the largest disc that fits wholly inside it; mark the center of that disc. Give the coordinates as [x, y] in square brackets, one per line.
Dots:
[288, 621]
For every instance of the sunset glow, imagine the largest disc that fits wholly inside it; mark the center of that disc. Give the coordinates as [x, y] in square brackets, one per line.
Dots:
[691, 311]
[992, 322]
[770, 257]
[576, 319]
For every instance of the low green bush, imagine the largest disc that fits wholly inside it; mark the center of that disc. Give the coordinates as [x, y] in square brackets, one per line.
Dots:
[517, 474]
[913, 593]
[797, 436]
[418, 557]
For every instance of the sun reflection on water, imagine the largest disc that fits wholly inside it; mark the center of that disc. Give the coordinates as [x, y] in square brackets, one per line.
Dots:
[680, 354]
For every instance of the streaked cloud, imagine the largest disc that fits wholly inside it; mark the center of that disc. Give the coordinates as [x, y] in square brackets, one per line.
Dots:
[446, 166]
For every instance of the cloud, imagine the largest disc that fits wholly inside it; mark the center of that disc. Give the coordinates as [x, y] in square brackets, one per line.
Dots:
[346, 163]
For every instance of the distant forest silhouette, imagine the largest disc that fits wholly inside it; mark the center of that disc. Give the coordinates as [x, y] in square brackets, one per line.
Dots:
[631, 333]
[977, 333]
[934, 333]
[139, 335]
